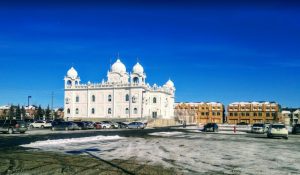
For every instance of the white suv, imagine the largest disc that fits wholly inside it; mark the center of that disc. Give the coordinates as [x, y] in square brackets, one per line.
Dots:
[277, 130]
[40, 124]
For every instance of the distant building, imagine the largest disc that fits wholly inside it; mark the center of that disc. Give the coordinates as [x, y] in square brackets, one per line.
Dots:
[286, 117]
[201, 112]
[123, 95]
[253, 112]
[296, 116]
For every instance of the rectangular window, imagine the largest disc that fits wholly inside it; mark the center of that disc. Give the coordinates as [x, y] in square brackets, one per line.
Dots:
[268, 114]
[230, 114]
[235, 114]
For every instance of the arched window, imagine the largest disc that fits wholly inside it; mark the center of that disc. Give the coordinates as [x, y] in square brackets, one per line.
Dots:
[126, 111]
[77, 111]
[109, 111]
[68, 111]
[69, 82]
[76, 83]
[93, 110]
[154, 100]
[93, 98]
[77, 98]
[135, 80]
[109, 98]
[135, 110]
[127, 97]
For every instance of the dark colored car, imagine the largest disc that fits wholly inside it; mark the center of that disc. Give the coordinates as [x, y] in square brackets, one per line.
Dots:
[136, 125]
[81, 125]
[64, 126]
[89, 124]
[12, 126]
[122, 125]
[211, 127]
[296, 129]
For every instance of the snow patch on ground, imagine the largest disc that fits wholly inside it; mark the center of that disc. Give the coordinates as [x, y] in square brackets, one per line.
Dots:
[166, 134]
[82, 140]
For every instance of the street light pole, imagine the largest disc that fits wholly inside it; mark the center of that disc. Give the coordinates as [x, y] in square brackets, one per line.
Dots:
[29, 97]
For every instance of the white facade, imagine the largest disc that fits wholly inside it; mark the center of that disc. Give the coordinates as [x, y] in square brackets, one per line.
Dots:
[123, 95]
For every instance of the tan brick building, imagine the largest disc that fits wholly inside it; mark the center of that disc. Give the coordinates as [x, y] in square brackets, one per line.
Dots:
[253, 112]
[202, 112]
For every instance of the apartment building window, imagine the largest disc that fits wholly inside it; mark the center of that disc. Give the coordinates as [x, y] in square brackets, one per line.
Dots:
[68, 111]
[254, 114]
[77, 99]
[93, 98]
[235, 114]
[207, 113]
[109, 98]
[93, 110]
[274, 114]
[135, 110]
[247, 114]
[259, 114]
[127, 97]
[218, 114]
[242, 114]
[76, 111]
[230, 114]
[213, 113]
[268, 114]
[126, 111]
[109, 111]
[202, 113]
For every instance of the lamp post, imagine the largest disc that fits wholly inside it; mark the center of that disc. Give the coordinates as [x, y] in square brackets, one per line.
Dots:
[29, 97]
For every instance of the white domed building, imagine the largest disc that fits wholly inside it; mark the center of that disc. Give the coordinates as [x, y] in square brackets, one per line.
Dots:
[123, 95]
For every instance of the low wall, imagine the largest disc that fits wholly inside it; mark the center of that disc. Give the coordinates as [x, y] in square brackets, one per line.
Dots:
[161, 123]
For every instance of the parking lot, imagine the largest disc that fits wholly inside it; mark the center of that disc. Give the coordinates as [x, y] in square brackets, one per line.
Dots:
[184, 149]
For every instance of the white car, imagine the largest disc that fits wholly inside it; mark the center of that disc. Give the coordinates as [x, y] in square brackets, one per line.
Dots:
[258, 128]
[277, 130]
[40, 124]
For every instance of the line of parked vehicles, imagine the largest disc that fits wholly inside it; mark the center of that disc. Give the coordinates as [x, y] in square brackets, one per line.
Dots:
[21, 126]
[272, 130]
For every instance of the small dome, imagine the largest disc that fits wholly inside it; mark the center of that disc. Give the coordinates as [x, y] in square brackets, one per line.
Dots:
[169, 84]
[138, 69]
[118, 66]
[72, 73]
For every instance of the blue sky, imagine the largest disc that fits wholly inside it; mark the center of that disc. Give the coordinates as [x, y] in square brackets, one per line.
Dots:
[224, 52]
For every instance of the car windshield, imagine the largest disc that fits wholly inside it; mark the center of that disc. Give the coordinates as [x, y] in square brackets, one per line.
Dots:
[20, 122]
[278, 126]
[258, 125]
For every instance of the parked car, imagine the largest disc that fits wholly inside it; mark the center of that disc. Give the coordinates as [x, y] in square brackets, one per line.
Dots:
[211, 127]
[242, 123]
[136, 125]
[89, 124]
[277, 130]
[12, 126]
[112, 124]
[258, 128]
[105, 125]
[81, 125]
[64, 126]
[296, 129]
[97, 125]
[122, 125]
[41, 124]
[28, 122]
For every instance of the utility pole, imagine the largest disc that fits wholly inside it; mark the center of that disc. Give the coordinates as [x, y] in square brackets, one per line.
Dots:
[52, 97]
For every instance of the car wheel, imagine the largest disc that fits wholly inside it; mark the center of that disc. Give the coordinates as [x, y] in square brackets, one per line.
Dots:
[53, 129]
[23, 132]
[269, 136]
[286, 137]
[42, 126]
[104, 127]
[10, 131]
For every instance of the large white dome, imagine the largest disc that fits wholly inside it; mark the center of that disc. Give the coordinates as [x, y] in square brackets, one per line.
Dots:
[118, 66]
[138, 69]
[72, 73]
[169, 84]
